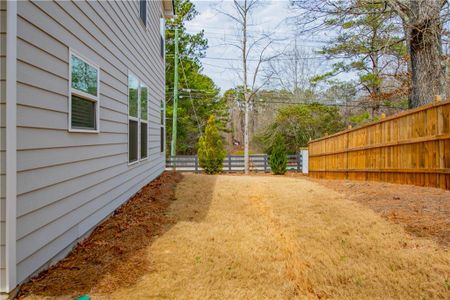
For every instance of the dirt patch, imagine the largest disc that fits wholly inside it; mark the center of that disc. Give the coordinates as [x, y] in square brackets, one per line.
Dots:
[113, 256]
[424, 212]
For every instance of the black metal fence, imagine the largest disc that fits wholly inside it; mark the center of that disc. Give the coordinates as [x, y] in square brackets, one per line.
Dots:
[232, 163]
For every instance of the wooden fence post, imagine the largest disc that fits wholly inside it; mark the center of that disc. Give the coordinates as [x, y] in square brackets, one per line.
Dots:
[229, 163]
[304, 166]
[265, 163]
[409, 148]
[346, 136]
[440, 147]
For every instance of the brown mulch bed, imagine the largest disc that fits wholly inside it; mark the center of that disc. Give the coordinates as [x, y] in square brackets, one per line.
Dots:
[423, 212]
[114, 255]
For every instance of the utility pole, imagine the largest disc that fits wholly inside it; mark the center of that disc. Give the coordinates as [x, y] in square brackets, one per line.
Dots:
[173, 148]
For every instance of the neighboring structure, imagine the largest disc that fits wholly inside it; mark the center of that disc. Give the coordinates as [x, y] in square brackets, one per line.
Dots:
[82, 121]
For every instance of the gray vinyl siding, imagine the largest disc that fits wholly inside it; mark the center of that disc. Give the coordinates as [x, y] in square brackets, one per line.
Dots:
[68, 182]
[2, 144]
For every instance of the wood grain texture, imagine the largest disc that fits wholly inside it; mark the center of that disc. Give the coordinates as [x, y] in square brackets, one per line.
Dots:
[412, 147]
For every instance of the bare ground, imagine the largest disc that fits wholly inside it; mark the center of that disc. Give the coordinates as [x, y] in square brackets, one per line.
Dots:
[249, 237]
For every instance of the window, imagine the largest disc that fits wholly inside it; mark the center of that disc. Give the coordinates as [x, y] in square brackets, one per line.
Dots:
[83, 95]
[143, 11]
[133, 118]
[137, 119]
[162, 113]
[162, 46]
[162, 139]
[162, 34]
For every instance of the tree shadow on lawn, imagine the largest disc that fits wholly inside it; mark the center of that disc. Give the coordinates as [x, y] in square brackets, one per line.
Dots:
[115, 255]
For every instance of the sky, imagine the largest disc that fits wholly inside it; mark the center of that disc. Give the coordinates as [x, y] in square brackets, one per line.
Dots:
[222, 59]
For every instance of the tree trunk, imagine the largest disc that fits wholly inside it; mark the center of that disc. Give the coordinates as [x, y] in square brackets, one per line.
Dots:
[246, 96]
[425, 47]
[406, 32]
[246, 139]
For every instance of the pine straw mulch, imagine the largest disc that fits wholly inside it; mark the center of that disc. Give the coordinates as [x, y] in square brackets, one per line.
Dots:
[113, 256]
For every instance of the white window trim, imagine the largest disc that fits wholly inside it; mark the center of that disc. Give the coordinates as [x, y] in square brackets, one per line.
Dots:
[84, 95]
[138, 120]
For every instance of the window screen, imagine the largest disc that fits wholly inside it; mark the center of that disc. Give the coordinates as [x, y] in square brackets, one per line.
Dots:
[132, 140]
[83, 113]
[144, 140]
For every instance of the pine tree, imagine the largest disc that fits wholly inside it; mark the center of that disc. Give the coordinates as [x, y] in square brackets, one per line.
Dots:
[211, 152]
[278, 157]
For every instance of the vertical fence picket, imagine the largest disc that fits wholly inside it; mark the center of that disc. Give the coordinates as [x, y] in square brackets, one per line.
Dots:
[259, 162]
[265, 163]
[408, 148]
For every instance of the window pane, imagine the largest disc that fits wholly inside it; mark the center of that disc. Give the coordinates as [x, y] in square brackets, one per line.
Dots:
[162, 112]
[84, 76]
[162, 46]
[143, 140]
[132, 140]
[83, 113]
[162, 29]
[162, 139]
[143, 11]
[133, 85]
[144, 100]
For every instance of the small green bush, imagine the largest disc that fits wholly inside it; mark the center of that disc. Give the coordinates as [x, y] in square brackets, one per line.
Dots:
[211, 152]
[278, 156]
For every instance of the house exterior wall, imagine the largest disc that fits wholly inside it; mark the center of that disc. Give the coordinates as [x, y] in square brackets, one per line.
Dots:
[68, 182]
[2, 145]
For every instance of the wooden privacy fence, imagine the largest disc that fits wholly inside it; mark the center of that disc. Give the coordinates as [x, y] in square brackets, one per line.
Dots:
[412, 147]
[232, 163]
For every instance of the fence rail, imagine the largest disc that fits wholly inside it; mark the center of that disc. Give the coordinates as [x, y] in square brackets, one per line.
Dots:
[232, 163]
[412, 148]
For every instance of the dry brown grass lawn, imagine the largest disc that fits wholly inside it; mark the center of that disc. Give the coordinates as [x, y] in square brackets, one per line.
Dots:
[257, 237]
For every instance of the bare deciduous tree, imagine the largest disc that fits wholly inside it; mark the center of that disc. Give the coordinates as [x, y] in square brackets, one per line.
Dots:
[254, 53]
[292, 71]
